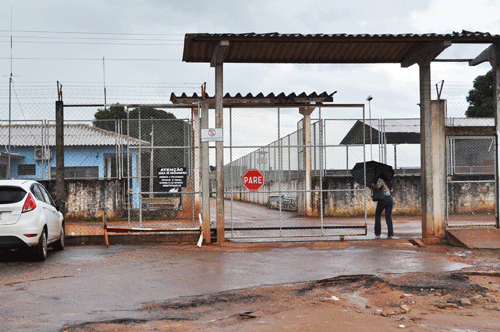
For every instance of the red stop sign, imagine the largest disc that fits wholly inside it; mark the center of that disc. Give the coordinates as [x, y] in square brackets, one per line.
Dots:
[253, 179]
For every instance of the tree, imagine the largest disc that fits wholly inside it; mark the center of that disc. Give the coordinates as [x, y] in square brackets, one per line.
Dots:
[480, 98]
[106, 118]
[168, 131]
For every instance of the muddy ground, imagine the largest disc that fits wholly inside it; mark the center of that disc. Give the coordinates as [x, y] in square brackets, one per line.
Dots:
[447, 301]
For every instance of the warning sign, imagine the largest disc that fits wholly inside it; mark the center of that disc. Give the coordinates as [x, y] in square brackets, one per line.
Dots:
[253, 179]
[171, 178]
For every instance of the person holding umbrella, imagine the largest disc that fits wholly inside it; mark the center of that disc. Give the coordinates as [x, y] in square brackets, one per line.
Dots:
[384, 204]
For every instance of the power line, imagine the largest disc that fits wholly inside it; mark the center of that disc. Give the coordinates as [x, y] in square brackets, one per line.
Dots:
[91, 38]
[90, 59]
[81, 43]
[96, 33]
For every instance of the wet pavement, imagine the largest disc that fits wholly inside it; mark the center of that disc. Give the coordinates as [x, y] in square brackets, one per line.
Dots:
[95, 283]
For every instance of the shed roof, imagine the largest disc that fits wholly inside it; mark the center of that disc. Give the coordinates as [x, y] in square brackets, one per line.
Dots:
[74, 135]
[406, 49]
[402, 131]
[250, 99]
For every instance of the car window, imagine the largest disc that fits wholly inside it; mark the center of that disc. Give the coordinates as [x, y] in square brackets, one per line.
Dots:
[46, 195]
[9, 195]
[37, 193]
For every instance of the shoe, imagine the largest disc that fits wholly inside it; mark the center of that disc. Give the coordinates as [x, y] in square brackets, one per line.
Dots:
[389, 237]
[377, 235]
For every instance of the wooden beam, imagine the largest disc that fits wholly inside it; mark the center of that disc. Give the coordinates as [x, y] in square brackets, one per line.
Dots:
[219, 53]
[424, 53]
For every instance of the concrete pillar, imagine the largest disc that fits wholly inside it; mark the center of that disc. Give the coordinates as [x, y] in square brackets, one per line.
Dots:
[219, 148]
[438, 137]
[196, 158]
[306, 112]
[60, 151]
[433, 158]
[205, 177]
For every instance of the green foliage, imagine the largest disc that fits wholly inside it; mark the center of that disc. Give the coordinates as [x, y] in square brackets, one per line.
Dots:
[480, 98]
[106, 119]
[168, 131]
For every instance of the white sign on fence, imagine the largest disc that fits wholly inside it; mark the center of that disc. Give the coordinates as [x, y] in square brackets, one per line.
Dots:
[212, 135]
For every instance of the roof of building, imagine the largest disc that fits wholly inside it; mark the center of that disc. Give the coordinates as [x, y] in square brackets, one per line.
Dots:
[261, 99]
[406, 49]
[401, 131]
[74, 135]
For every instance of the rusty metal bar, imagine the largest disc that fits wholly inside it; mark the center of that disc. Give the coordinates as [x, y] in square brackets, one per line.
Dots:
[144, 229]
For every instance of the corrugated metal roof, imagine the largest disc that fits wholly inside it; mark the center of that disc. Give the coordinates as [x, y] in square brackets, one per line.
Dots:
[271, 98]
[402, 131]
[321, 48]
[74, 135]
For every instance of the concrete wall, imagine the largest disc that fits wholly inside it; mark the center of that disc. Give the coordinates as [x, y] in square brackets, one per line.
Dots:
[464, 198]
[86, 199]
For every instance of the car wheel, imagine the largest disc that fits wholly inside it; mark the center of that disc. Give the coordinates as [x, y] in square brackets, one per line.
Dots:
[41, 248]
[59, 244]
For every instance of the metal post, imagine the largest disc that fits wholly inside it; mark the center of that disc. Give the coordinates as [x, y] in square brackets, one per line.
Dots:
[151, 161]
[196, 157]
[129, 171]
[139, 169]
[205, 177]
[370, 98]
[219, 147]
[496, 94]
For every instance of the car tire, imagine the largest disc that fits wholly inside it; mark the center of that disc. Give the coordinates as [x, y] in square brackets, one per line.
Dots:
[59, 244]
[40, 251]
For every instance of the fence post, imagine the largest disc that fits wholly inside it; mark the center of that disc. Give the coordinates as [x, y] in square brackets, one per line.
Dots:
[205, 176]
[60, 150]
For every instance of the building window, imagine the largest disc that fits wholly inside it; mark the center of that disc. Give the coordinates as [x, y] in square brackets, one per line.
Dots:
[26, 169]
[89, 172]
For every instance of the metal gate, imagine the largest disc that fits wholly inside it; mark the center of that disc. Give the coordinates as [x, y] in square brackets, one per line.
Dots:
[471, 177]
[280, 144]
[160, 171]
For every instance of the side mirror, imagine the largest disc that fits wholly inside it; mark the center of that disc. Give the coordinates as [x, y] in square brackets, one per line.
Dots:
[60, 204]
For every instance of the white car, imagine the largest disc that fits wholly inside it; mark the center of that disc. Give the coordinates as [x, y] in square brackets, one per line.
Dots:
[29, 217]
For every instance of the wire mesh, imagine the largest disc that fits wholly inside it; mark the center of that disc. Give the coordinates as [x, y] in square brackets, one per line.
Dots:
[471, 193]
[279, 152]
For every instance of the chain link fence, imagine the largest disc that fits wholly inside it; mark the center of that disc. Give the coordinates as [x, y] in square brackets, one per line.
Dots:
[278, 151]
[141, 172]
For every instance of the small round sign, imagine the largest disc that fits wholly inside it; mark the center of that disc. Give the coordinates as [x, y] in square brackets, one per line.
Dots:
[253, 179]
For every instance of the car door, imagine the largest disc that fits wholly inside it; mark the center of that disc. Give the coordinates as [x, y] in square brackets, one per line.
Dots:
[51, 214]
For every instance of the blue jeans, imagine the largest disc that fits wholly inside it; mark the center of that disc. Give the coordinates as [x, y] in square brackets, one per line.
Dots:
[387, 204]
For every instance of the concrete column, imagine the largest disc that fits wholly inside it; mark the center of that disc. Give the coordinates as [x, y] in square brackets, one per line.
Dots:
[196, 158]
[433, 158]
[306, 112]
[219, 148]
[426, 150]
[60, 151]
[205, 177]
[438, 137]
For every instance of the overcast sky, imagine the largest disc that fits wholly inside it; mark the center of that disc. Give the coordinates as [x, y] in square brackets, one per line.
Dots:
[142, 43]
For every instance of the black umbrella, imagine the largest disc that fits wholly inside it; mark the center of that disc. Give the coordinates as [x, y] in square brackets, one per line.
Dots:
[373, 170]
